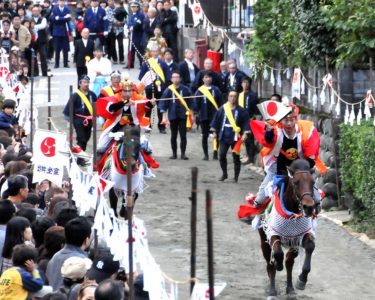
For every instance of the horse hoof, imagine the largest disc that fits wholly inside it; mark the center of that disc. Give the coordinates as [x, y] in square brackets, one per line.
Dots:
[279, 267]
[273, 298]
[291, 295]
[300, 284]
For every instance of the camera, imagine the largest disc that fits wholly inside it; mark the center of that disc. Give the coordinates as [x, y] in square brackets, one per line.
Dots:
[121, 275]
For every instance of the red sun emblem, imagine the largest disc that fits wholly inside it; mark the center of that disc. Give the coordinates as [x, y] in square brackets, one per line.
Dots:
[197, 10]
[272, 109]
[48, 147]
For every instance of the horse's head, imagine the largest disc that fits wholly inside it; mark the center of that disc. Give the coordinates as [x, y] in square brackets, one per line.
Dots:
[135, 147]
[302, 180]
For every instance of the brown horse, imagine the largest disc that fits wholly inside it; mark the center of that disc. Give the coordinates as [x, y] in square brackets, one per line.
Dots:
[299, 202]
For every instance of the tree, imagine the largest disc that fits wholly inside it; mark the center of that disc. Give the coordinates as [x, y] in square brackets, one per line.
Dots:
[317, 41]
[291, 32]
[354, 23]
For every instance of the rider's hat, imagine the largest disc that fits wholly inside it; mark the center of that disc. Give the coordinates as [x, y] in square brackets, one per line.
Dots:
[127, 85]
[116, 73]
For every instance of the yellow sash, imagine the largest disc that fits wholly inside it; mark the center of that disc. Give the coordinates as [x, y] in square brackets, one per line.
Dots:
[156, 68]
[241, 99]
[232, 121]
[205, 91]
[189, 119]
[179, 97]
[109, 90]
[85, 101]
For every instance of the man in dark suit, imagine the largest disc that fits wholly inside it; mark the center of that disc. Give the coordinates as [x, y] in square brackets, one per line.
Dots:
[149, 25]
[135, 25]
[234, 78]
[59, 19]
[188, 69]
[84, 51]
[216, 79]
[168, 20]
[96, 21]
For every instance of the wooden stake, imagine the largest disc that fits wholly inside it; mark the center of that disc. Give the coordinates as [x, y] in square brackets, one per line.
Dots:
[210, 246]
[130, 204]
[193, 225]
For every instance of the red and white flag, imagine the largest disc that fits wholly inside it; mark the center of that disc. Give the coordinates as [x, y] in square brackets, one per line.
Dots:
[148, 78]
[273, 110]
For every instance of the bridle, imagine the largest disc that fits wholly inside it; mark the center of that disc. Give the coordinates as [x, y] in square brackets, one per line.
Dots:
[299, 198]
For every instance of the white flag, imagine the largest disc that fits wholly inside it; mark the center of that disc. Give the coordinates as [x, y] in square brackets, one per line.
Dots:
[296, 83]
[352, 116]
[273, 110]
[201, 291]
[48, 161]
[322, 97]
[359, 116]
[347, 114]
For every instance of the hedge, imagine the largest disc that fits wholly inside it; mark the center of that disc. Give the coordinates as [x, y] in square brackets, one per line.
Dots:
[357, 169]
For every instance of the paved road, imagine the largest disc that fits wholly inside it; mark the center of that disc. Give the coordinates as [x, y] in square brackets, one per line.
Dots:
[342, 267]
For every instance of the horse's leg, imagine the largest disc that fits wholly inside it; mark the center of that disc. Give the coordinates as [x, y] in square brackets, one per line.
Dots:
[113, 200]
[271, 270]
[278, 253]
[289, 263]
[123, 210]
[309, 245]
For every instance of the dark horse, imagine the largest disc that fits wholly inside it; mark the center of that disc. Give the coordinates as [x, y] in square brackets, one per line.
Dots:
[298, 199]
[113, 167]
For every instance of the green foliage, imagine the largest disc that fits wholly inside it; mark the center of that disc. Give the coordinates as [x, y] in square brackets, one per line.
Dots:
[357, 168]
[291, 32]
[313, 32]
[317, 42]
[354, 23]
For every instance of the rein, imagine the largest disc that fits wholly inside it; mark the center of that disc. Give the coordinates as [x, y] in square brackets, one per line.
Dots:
[300, 198]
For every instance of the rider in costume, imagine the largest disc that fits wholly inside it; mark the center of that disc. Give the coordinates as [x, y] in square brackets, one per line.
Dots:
[120, 110]
[283, 143]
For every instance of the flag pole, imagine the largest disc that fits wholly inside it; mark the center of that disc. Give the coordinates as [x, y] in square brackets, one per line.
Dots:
[210, 247]
[130, 204]
[193, 226]
[94, 169]
[71, 120]
[71, 117]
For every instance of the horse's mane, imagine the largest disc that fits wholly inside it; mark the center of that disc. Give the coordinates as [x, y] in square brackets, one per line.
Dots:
[300, 164]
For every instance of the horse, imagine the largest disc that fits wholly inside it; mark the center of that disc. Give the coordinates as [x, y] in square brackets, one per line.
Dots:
[113, 166]
[291, 213]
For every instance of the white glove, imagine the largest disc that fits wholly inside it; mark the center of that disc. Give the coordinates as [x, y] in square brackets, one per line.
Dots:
[116, 135]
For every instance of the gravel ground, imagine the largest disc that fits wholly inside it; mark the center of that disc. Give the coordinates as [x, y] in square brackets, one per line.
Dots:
[342, 266]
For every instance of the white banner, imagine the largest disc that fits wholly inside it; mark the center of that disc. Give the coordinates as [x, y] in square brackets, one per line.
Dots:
[48, 162]
[296, 83]
[202, 291]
